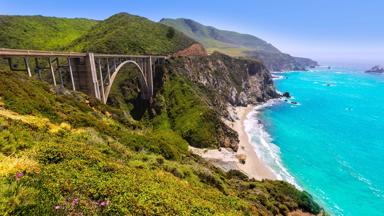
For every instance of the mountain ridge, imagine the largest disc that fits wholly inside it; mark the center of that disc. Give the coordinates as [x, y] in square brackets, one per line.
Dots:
[238, 44]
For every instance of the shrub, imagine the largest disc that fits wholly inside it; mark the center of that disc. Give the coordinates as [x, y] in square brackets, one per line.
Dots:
[237, 174]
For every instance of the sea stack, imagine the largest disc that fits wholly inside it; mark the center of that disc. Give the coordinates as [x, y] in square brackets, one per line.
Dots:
[376, 69]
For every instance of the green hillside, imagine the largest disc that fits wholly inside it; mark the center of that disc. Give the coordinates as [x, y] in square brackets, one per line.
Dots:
[64, 153]
[38, 32]
[71, 155]
[236, 44]
[129, 34]
[220, 40]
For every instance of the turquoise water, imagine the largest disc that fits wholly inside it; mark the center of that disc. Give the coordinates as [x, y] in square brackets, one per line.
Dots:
[332, 143]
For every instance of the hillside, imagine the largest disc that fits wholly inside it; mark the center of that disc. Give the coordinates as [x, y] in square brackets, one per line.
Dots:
[128, 34]
[213, 39]
[38, 32]
[64, 153]
[69, 154]
[236, 44]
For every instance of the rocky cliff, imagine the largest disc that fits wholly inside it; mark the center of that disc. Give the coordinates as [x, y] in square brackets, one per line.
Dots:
[230, 80]
[282, 61]
[197, 91]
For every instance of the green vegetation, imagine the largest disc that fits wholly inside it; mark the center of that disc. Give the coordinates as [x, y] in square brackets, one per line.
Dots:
[69, 154]
[128, 34]
[42, 33]
[231, 43]
[189, 114]
[236, 44]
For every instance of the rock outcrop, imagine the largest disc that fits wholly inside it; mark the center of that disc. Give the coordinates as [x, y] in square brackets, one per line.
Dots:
[195, 49]
[225, 79]
[282, 61]
[376, 69]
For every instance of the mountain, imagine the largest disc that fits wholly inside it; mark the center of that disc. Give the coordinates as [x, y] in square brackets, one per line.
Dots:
[129, 34]
[213, 39]
[38, 32]
[65, 153]
[236, 44]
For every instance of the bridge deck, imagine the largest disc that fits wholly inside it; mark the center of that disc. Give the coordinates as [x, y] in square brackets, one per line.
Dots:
[91, 73]
[38, 53]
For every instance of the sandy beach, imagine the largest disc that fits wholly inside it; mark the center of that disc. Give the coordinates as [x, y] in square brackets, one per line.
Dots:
[227, 159]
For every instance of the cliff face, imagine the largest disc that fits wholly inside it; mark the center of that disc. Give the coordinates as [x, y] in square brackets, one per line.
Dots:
[228, 80]
[282, 61]
[197, 91]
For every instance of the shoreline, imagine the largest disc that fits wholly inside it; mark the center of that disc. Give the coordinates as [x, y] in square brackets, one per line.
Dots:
[227, 159]
[254, 166]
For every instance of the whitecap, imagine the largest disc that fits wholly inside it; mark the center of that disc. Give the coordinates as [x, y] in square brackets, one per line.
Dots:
[265, 149]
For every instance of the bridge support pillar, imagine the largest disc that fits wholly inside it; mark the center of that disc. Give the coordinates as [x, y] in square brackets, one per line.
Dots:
[91, 76]
[150, 77]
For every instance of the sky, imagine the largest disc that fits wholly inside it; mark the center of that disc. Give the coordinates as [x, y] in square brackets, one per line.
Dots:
[330, 31]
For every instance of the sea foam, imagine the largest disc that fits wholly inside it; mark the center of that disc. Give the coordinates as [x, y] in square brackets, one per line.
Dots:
[262, 141]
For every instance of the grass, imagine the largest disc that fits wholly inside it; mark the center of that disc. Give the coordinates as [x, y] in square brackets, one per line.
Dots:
[128, 34]
[94, 163]
[231, 43]
[42, 33]
[70, 154]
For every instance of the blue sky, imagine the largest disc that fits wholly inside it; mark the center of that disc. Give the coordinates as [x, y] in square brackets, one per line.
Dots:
[330, 31]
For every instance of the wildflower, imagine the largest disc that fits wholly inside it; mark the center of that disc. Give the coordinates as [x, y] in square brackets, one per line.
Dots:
[75, 201]
[19, 175]
[104, 203]
[57, 207]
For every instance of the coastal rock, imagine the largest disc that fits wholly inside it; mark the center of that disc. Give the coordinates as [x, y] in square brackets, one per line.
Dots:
[230, 80]
[243, 99]
[242, 158]
[287, 95]
[277, 61]
[233, 97]
[376, 69]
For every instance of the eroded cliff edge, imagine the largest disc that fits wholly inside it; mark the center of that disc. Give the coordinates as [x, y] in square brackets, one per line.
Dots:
[209, 84]
[227, 80]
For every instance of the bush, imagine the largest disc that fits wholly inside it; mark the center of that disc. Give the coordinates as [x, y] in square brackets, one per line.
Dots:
[237, 174]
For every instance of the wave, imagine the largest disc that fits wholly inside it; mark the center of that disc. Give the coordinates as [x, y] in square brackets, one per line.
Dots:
[359, 177]
[263, 143]
[277, 77]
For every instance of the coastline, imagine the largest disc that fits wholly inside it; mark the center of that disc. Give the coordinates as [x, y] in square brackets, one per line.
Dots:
[227, 159]
[254, 166]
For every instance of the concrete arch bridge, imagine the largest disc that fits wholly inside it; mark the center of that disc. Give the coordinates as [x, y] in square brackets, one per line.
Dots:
[91, 73]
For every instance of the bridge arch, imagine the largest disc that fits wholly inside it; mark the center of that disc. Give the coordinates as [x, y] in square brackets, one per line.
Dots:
[142, 78]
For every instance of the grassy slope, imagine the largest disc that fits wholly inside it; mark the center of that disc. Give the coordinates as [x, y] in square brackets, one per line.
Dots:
[231, 43]
[75, 153]
[179, 105]
[37, 32]
[128, 34]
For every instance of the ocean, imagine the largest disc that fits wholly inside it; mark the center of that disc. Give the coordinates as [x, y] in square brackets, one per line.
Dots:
[331, 143]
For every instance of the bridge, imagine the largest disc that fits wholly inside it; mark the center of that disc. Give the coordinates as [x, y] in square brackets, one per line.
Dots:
[90, 73]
